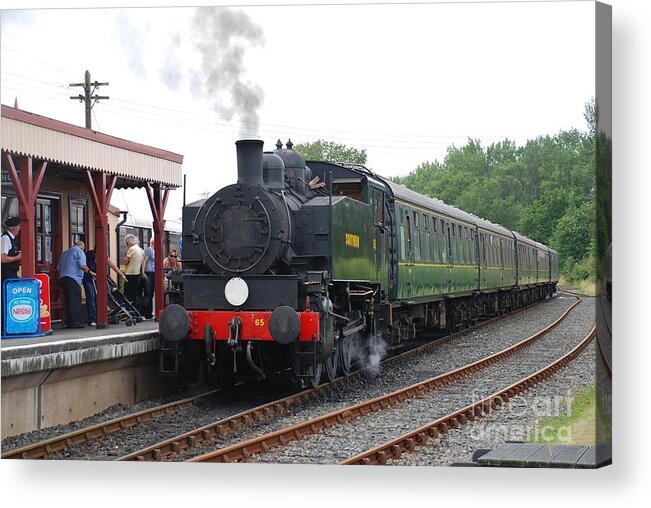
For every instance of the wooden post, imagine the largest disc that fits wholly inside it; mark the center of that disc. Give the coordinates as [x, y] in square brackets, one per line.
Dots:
[158, 202]
[26, 186]
[101, 189]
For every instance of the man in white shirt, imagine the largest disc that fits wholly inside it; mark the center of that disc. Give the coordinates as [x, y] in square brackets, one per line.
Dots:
[11, 255]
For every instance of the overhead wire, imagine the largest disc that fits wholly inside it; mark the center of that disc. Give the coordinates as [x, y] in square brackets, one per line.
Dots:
[387, 143]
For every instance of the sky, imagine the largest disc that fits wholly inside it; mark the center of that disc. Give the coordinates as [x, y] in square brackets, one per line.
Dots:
[403, 82]
[464, 70]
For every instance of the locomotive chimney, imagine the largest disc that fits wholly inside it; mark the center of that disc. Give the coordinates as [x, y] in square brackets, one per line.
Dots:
[249, 161]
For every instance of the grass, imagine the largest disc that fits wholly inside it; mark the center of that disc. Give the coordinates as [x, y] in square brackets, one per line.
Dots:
[588, 288]
[585, 287]
[579, 427]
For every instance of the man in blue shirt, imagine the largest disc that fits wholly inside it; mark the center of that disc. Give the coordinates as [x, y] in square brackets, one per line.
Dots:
[72, 266]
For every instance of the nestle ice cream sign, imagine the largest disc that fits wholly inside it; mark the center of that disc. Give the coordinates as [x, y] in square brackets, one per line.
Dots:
[21, 310]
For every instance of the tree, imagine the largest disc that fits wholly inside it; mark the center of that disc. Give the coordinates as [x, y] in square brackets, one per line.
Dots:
[574, 234]
[323, 150]
[545, 189]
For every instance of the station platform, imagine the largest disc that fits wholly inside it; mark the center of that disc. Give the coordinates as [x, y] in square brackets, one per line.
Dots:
[72, 374]
[518, 454]
[68, 348]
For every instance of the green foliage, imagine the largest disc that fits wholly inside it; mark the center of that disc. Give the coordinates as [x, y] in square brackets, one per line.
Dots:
[322, 150]
[545, 189]
[574, 233]
[574, 427]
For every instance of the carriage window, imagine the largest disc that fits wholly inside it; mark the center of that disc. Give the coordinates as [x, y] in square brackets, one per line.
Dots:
[416, 220]
[426, 222]
[434, 221]
[454, 230]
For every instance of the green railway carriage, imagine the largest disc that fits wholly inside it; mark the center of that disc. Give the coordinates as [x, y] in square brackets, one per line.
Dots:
[543, 264]
[497, 263]
[526, 260]
[437, 254]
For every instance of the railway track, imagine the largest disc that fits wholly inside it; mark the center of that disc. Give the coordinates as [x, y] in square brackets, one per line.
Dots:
[180, 444]
[248, 449]
[394, 448]
[45, 448]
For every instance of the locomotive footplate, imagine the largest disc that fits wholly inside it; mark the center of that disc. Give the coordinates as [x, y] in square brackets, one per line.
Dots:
[255, 325]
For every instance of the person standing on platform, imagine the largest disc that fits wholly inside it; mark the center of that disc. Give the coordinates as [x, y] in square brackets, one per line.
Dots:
[72, 266]
[11, 255]
[148, 270]
[133, 262]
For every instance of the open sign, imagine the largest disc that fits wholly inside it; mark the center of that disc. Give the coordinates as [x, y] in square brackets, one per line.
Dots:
[22, 308]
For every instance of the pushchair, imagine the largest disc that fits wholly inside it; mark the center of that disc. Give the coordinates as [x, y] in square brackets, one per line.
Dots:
[121, 309]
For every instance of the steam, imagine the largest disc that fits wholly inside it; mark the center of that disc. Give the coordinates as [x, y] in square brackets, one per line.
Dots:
[370, 357]
[222, 37]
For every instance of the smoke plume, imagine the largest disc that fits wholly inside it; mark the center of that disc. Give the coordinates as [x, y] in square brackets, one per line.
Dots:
[205, 49]
[222, 37]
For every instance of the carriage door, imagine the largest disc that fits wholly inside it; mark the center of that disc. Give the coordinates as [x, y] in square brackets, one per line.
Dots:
[381, 240]
[406, 272]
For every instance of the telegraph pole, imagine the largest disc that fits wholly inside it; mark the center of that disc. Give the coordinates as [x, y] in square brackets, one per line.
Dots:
[89, 95]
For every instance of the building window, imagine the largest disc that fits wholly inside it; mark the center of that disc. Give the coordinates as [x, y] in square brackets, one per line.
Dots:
[77, 220]
[44, 232]
[9, 206]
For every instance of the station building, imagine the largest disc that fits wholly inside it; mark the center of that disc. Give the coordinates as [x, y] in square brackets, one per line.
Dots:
[58, 178]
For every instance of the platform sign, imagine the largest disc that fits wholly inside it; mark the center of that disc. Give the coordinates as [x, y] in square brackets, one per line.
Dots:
[46, 317]
[21, 308]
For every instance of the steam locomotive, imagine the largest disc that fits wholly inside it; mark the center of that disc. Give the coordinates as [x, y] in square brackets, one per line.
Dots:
[301, 270]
